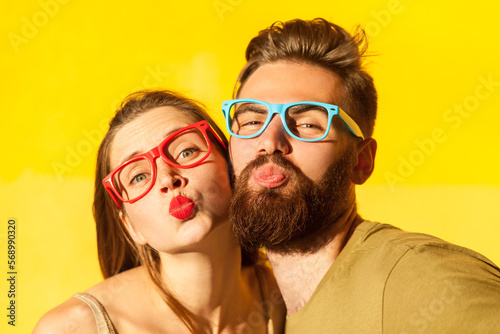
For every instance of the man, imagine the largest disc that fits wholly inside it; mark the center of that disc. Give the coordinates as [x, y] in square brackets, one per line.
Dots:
[296, 166]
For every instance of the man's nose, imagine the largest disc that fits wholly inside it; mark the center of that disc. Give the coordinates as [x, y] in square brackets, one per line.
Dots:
[274, 139]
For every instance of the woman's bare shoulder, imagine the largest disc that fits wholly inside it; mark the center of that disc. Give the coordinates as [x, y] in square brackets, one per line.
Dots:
[72, 316]
[120, 286]
[75, 316]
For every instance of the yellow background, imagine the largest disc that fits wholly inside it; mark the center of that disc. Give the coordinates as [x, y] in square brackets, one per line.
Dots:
[66, 65]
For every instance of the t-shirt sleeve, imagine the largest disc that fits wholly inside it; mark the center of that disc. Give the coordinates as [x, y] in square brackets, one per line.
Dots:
[442, 289]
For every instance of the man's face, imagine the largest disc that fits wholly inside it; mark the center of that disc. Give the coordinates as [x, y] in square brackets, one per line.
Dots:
[289, 191]
[284, 82]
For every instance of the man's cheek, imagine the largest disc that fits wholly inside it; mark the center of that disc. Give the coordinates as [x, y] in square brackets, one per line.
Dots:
[241, 150]
[238, 164]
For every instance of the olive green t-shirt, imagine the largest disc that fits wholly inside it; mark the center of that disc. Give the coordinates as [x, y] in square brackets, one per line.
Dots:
[389, 281]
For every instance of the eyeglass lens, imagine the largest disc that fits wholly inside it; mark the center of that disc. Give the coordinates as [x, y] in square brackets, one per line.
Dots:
[134, 179]
[304, 121]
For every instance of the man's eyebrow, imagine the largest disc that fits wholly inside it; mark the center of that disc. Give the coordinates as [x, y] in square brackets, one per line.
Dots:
[250, 107]
[301, 108]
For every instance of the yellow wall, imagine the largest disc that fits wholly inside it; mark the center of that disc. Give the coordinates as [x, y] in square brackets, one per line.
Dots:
[66, 64]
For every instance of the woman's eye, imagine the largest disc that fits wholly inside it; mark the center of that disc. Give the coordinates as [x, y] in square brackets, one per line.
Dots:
[187, 153]
[138, 178]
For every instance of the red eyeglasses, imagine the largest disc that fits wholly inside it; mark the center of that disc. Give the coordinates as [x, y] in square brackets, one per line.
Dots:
[185, 148]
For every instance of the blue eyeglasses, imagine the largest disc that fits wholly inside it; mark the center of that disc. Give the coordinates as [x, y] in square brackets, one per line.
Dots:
[305, 120]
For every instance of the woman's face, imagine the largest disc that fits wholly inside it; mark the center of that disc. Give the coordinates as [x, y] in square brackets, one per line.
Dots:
[149, 220]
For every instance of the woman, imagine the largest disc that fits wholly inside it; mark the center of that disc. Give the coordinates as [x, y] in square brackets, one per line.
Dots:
[165, 245]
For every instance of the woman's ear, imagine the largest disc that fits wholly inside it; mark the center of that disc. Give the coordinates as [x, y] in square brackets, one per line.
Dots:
[136, 235]
[366, 150]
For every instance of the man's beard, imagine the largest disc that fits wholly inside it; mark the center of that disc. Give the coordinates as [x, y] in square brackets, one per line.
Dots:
[296, 219]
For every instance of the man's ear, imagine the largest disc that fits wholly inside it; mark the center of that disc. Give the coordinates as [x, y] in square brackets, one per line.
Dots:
[136, 235]
[366, 150]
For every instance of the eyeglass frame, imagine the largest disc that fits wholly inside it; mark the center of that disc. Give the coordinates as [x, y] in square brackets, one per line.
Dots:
[152, 155]
[280, 109]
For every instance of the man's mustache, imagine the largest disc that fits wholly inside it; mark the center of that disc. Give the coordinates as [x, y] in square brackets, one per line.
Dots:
[276, 159]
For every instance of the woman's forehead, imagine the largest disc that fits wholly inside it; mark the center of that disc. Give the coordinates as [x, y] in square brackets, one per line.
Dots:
[146, 131]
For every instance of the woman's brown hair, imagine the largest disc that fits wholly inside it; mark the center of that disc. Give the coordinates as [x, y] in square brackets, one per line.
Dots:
[116, 249]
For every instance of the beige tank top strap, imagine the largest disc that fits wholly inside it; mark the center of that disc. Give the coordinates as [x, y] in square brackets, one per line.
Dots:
[104, 324]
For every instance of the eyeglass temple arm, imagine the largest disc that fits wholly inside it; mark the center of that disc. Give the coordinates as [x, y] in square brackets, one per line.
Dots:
[351, 124]
[217, 136]
[110, 192]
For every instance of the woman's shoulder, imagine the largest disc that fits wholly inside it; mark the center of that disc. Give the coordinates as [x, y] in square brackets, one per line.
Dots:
[114, 294]
[70, 316]
[120, 287]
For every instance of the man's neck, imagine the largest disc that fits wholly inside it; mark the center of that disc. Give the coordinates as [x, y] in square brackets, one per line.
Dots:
[298, 275]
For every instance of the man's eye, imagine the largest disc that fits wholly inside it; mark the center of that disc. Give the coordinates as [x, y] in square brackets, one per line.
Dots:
[250, 123]
[309, 126]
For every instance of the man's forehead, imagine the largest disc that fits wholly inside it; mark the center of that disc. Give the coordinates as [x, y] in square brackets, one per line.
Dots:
[283, 82]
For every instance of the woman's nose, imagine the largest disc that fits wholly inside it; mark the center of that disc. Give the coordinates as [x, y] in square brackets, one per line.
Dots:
[168, 178]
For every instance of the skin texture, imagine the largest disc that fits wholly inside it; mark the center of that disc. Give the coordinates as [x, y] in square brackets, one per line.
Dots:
[283, 82]
[200, 260]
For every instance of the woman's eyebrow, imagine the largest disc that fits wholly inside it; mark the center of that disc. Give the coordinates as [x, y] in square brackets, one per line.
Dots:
[135, 153]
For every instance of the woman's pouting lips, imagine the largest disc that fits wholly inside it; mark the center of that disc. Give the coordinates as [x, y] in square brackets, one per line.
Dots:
[181, 207]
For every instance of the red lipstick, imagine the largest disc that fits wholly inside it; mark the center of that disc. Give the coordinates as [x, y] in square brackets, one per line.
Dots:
[269, 176]
[181, 207]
